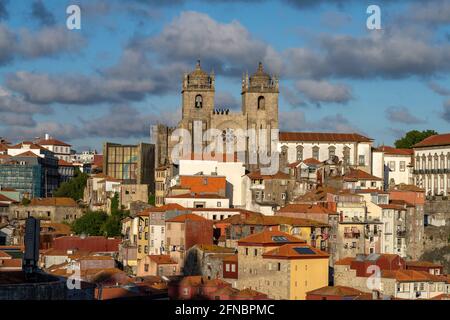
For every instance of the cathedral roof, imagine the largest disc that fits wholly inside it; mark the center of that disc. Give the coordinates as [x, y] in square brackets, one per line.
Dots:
[260, 76]
[198, 72]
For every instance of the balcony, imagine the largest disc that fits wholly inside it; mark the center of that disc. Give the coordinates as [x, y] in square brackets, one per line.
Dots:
[431, 171]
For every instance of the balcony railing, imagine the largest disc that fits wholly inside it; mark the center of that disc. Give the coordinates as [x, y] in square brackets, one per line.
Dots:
[431, 171]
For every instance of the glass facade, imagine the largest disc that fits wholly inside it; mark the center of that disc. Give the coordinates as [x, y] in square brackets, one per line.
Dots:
[24, 178]
[122, 162]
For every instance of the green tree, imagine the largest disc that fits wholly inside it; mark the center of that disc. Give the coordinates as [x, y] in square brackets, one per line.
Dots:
[73, 188]
[91, 223]
[113, 224]
[413, 137]
[151, 199]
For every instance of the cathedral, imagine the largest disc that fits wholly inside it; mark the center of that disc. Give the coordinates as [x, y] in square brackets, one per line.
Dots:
[259, 110]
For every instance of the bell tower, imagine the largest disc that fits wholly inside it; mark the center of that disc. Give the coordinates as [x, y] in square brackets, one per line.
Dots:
[260, 101]
[197, 97]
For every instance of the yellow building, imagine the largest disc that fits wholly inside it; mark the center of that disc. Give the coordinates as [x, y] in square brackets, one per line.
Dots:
[280, 265]
[305, 268]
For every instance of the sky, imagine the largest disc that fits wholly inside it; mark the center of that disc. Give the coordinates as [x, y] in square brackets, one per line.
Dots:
[121, 72]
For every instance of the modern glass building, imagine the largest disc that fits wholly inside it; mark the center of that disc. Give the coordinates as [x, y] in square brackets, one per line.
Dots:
[23, 178]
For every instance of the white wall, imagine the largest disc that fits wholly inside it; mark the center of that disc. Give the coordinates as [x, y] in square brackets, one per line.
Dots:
[395, 173]
[433, 182]
[209, 203]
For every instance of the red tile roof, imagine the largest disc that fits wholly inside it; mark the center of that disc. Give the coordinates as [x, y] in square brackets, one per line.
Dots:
[407, 187]
[182, 218]
[357, 174]
[269, 238]
[52, 142]
[426, 264]
[164, 208]
[27, 154]
[322, 136]
[162, 259]
[63, 163]
[4, 255]
[28, 143]
[256, 175]
[306, 208]
[11, 263]
[256, 218]
[396, 151]
[340, 291]
[311, 161]
[54, 201]
[295, 251]
[345, 261]
[196, 196]
[436, 140]
[411, 276]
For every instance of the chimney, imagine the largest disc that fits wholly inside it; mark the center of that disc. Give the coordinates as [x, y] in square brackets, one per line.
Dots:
[47, 137]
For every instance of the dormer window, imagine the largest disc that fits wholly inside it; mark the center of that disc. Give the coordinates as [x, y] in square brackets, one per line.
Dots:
[261, 103]
[199, 102]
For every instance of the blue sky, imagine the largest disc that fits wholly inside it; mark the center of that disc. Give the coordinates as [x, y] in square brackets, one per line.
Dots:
[122, 71]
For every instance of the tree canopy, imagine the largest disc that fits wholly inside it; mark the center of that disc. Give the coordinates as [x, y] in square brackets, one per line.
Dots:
[413, 137]
[73, 188]
[99, 223]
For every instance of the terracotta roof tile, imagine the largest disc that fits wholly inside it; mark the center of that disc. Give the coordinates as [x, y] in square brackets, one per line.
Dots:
[426, 264]
[4, 255]
[345, 261]
[306, 208]
[357, 174]
[162, 259]
[340, 291]
[311, 161]
[185, 217]
[295, 251]
[436, 140]
[63, 163]
[52, 142]
[54, 201]
[396, 151]
[255, 175]
[322, 136]
[196, 196]
[269, 238]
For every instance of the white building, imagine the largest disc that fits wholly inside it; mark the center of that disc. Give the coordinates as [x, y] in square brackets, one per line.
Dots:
[354, 149]
[398, 166]
[61, 149]
[28, 146]
[196, 200]
[432, 164]
[234, 173]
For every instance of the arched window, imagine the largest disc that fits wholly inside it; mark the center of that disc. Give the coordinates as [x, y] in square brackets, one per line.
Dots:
[199, 101]
[299, 153]
[331, 152]
[346, 155]
[315, 152]
[261, 103]
[284, 153]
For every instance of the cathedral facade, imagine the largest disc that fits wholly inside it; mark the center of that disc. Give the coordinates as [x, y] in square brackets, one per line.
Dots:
[259, 111]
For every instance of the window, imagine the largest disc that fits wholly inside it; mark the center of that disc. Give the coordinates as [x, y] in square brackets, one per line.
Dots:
[402, 166]
[362, 160]
[346, 155]
[146, 236]
[199, 102]
[331, 152]
[146, 267]
[392, 165]
[219, 204]
[255, 252]
[246, 251]
[146, 249]
[227, 267]
[139, 249]
[279, 266]
[261, 103]
[283, 196]
[299, 153]
[315, 152]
